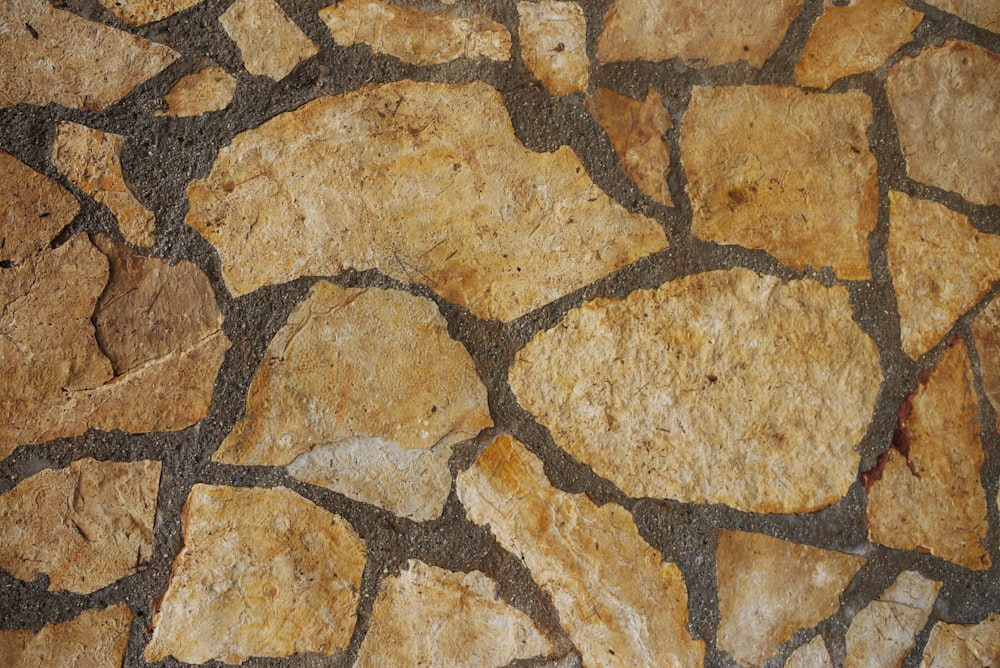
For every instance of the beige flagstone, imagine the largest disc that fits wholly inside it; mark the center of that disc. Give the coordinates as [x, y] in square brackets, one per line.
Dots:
[811, 655]
[199, 93]
[964, 645]
[92, 639]
[141, 12]
[33, 209]
[553, 37]
[983, 13]
[270, 43]
[986, 331]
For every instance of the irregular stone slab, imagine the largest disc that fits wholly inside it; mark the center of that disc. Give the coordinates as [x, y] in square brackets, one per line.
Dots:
[811, 655]
[983, 13]
[986, 331]
[516, 230]
[661, 393]
[51, 55]
[94, 638]
[946, 101]
[263, 572]
[200, 93]
[964, 645]
[925, 493]
[270, 43]
[141, 12]
[886, 630]
[621, 604]
[636, 128]
[33, 209]
[718, 32]
[416, 36]
[554, 44]
[427, 616]
[783, 170]
[941, 267]
[91, 160]
[770, 588]
[85, 526]
[855, 38]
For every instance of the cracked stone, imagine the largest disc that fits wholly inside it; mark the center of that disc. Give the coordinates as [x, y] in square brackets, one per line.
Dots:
[554, 44]
[986, 331]
[964, 645]
[983, 13]
[270, 43]
[141, 12]
[33, 209]
[197, 94]
[811, 655]
[620, 603]
[721, 387]
[92, 639]
[785, 171]
[517, 229]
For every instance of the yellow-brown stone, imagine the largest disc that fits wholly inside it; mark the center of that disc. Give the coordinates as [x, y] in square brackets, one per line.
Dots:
[33, 209]
[986, 331]
[92, 639]
[270, 43]
[197, 94]
[964, 645]
[811, 655]
[553, 37]
[983, 13]
[141, 12]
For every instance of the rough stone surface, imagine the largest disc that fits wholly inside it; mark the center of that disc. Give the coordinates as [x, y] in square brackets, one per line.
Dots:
[811, 655]
[92, 639]
[141, 12]
[263, 572]
[197, 94]
[621, 604]
[360, 177]
[770, 588]
[986, 331]
[554, 44]
[271, 44]
[721, 387]
[84, 526]
[783, 170]
[983, 13]
[964, 645]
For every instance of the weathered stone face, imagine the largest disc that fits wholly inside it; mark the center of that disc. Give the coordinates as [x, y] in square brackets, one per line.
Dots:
[553, 37]
[141, 12]
[811, 655]
[94, 638]
[200, 93]
[270, 43]
[963, 645]
[986, 331]
[983, 13]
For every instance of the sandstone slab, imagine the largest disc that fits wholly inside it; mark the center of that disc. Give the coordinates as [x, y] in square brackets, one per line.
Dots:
[986, 331]
[964, 645]
[141, 12]
[983, 13]
[33, 209]
[92, 639]
[811, 655]
[553, 37]
[200, 93]
[270, 43]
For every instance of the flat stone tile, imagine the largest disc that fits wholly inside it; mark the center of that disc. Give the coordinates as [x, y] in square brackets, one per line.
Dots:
[270, 43]
[33, 209]
[92, 639]
[141, 12]
[963, 645]
[553, 37]
[986, 331]
[811, 655]
[983, 13]
[200, 93]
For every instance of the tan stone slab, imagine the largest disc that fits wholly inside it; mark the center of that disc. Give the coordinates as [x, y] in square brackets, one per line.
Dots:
[983, 13]
[721, 31]
[263, 572]
[92, 639]
[553, 38]
[85, 526]
[925, 493]
[783, 170]
[811, 655]
[964, 645]
[270, 43]
[427, 616]
[770, 588]
[636, 128]
[946, 101]
[941, 267]
[73, 62]
[722, 387]
[854, 38]
[426, 182]
[416, 36]
[986, 331]
[141, 12]
[621, 604]
[33, 209]
[200, 93]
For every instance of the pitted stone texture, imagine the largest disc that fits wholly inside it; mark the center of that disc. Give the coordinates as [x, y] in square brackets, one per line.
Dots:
[721, 31]
[783, 170]
[964, 645]
[33, 209]
[263, 572]
[197, 94]
[141, 12]
[553, 37]
[722, 387]
[270, 43]
[941, 267]
[92, 639]
[986, 331]
[427, 616]
[621, 604]
[854, 38]
[811, 655]
[929, 496]
[85, 526]
[416, 36]
[73, 62]
[946, 101]
[983, 13]
[770, 588]
[426, 182]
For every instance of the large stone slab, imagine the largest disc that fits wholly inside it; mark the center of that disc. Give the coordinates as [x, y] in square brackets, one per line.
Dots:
[92, 639]
[210, 89]
[553, 38]
[141, 12]
[986, 331]
[964, 645]
[983, 13]
[270, 43]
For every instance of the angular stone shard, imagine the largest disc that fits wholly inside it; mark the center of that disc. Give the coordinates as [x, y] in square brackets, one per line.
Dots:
[92, 639]
[854, 38]
[426, 182]
[270, 43]
[722, 31]
[986, 331]
[33, 209]
[263, 572]
[722, 387]
[51, 55]
[770, 588]
[427, 616]
[811, 655]
[983, 13]
[941, 267]
[617, 599]
[141, 12]
[964, 645]
[946, 101]
[636, 128]
[416, 36]
[783, 170]
[554, 44]
[197, 94]
[925, 493]
[84, 526]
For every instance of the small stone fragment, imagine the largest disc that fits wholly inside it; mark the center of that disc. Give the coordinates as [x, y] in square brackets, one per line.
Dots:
[197, 94]
[941, 267]
[811, 655]
[416, 36]
[964, 645]
[783, 170]
[925, 492]
[983, 13]
[141, 12]
[986, 331]
[91, 159]
[84, 526]
[51, 55]
[92, 639]
[263, 572]
[946, 101]
[770, 588]
[854, 38]
[636, 128]
[270, 43]
[621, 604]
[427, 616]
[33, 209]
[554, 44]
